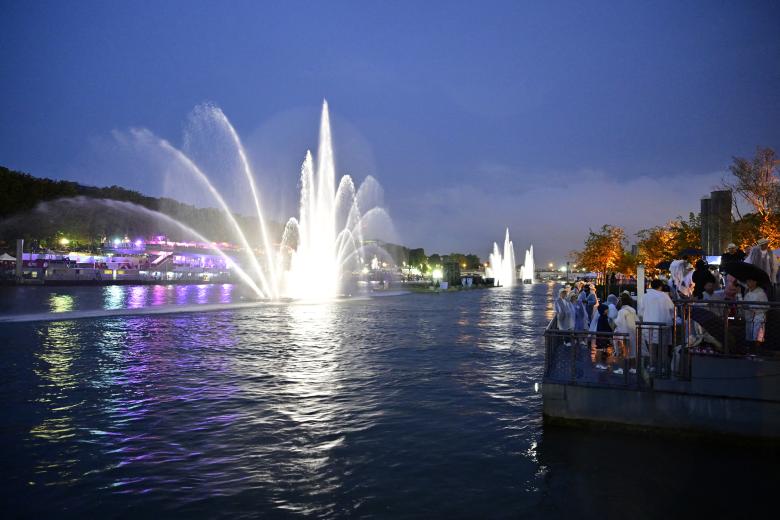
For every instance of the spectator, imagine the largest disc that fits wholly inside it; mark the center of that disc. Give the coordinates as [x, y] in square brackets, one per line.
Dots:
[602, 342]
[656, 308]
[732, 254]
[763, 257]
[755, 315]
[562, 310]
[612, 303]
[625, 323]
[578, 313]
[701, 276]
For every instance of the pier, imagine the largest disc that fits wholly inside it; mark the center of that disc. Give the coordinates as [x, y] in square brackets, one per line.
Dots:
[699, 377]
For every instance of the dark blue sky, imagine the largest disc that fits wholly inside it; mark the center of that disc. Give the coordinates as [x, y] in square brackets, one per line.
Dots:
[472, 115]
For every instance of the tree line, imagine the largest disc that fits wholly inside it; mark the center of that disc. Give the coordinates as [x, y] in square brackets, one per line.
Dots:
[44, 211]
[755, 182]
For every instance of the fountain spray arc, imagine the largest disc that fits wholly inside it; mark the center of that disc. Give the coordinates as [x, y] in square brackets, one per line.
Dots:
[528, 268]
[502, 266]
[318, 248]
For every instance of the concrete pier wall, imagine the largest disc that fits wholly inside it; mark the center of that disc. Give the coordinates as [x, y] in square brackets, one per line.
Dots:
[654, 409]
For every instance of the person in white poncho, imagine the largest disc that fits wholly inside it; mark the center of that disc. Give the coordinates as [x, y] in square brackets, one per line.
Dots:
[656, 307]
[563, 310]
[762, 256]
[625, 323]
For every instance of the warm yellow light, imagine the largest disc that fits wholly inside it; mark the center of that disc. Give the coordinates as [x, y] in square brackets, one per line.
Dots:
[550, 265]
[64, 241]
[463, 266]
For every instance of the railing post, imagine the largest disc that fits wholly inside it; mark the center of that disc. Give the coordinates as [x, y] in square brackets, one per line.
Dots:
[573, 361]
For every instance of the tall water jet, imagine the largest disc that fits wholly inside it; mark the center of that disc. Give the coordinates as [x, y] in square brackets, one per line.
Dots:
[319, 249]
[502, 266]
[528, 268]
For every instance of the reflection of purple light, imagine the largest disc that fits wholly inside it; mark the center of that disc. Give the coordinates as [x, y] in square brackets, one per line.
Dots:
[181, 293]
[225, 294]
[158, 295]
[137, 297]
[202, 298]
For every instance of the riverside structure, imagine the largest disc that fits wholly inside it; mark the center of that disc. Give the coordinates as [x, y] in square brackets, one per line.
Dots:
[701, 377]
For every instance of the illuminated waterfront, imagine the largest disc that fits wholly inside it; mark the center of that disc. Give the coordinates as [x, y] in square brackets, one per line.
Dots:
[415, 405]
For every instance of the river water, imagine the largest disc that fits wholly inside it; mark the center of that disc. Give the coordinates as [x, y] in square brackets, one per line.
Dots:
[406, 406]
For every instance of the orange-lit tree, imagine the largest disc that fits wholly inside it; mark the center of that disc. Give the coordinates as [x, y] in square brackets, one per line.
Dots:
[661, 243]
[603, 250]
[757, 181]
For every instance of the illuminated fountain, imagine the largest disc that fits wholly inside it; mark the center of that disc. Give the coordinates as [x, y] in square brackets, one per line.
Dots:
[318, 250]
[527, 269]
[502, 266]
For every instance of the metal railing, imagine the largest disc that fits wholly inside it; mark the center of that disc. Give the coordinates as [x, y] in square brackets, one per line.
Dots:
[660, 350]
[730, 327]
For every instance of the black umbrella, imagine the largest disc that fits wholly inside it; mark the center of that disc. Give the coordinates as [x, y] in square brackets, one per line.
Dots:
[743, 271]
[691, 251]
[708, 320]
[664, 265]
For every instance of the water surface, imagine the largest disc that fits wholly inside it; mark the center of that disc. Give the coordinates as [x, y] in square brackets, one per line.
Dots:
[411, 406]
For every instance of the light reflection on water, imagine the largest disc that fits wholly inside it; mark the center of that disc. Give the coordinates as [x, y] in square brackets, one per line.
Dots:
[61, 302]
[419, 405]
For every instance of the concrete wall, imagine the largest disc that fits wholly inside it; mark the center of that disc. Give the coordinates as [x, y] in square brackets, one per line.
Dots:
[665, 410]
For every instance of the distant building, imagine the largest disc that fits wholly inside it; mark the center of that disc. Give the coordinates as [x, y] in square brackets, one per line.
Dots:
[716, 222]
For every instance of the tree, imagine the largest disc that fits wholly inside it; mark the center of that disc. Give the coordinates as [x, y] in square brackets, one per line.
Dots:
[757, 181]
[686, 234]
[417, 258]
[603, 249]
[655, 245]
[661, 243]
[473, 261]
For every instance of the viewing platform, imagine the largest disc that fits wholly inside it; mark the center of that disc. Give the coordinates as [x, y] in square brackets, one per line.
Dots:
[698, 375]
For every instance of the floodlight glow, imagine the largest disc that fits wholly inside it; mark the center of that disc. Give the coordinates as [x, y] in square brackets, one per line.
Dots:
[64, 241]
[117, 241]
[437, 274]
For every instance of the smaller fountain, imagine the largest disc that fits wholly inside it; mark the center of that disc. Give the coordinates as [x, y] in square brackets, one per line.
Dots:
[527, 269]
[502, 266]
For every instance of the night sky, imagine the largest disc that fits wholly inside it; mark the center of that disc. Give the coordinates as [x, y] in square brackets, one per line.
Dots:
[549, 117]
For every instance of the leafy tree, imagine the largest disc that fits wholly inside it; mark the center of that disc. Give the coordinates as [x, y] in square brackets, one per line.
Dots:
[603, 249]
[473, 261]
[417, 257]
[757, 181]
[661, 243]
[434, 259]
[458, 258]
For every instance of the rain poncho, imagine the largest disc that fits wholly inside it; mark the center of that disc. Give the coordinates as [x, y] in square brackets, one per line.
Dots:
[612, 301]
[765, 260]
[681, 278]
[562, 313]
[580, 316]
[656, 307]
[625, 323]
